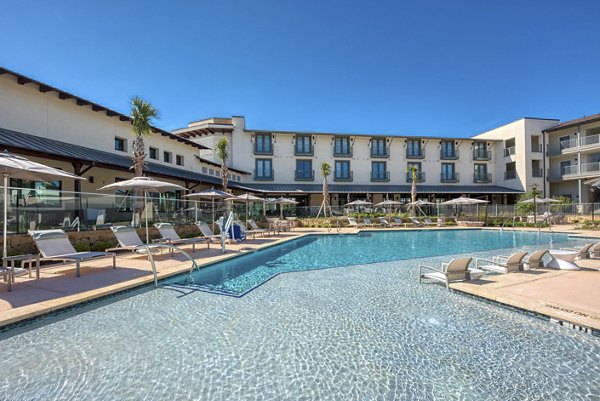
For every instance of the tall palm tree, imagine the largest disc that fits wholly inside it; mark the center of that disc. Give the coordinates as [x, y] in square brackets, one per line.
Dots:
[142, 114]
[325, 172]
[413, 189]
[222, 150]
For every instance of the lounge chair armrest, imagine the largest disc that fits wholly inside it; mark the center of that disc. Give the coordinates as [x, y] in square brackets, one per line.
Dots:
[426, 267]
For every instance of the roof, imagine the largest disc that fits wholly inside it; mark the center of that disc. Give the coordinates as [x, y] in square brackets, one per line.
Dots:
[42, 87]
[205, 127]
[203, 160]
[572, 123]
[377, 188]
[36, 145]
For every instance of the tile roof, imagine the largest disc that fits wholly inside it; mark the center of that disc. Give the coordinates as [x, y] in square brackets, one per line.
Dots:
[575, 122]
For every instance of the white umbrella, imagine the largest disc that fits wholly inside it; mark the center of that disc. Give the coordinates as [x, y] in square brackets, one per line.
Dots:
[12, 166]
[358, 203]
[283, 201]
[247, 198]
[211, 194]
[464, 201]
[145, 184]
[540, 200]
[388, 203]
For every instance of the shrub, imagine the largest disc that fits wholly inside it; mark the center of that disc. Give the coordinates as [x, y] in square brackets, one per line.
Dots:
[101, 246]
[82, 246]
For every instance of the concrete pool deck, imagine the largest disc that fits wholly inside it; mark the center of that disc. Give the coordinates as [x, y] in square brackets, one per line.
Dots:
[567, 296]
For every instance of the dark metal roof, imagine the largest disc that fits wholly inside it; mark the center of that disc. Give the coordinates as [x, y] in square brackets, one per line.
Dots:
[349, 188]
[39, 146]
[42, 87]
[573, 123]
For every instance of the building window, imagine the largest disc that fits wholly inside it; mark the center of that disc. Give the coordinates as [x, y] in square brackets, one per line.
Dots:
[264, 169]
[304, 171]
[120, 144]
[419, 175]
[378, 147]
[565, 167]
[204, 170]
[342, 171]
[414, 149]
[342, 147]
[449, 173]
[211, 171]
[480, 151]
[448, 150]
[303, 145]
[153, 154]
[168, 157]
[263, 144]
[379, 171]
[179, 160]
[481, 174]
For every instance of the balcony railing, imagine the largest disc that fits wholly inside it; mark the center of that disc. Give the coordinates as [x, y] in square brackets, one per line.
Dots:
[376, 154]
[303, 175]
[537, 172]
[449, 177]
[298, 152]
[482, 154]
[479, 178]
[415, 154]
[571, 145]
[581, 169]
[420, 176]
[263, 151]
[449, 154]
[510, 175]
[342, 153]
[536, 148]
[266, 175]
[380, 178]
[343, 178]
[510, 151]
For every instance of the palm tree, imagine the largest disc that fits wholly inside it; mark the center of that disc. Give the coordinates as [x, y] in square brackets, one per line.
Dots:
[413, 189]
[142, 113]
[222, 153]
[325, 172]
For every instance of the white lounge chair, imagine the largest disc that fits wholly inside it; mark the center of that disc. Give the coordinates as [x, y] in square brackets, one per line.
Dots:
[398, 222]
[502, 264]
[453, 271]
[367, 222]
[427, 221]
[353, 223]
[55, 245]
[384, 222]
[584, 251]
[207, 232]
[255, 227]
[128, 240]
[251, 232]
[170, 236]
[415, 221]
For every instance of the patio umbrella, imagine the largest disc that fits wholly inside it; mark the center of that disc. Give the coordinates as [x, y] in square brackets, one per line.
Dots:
[388, 202]
[535, 201]
[417, 204]
[13, 166]
[358, 203]
[247, 198]
[466, 201]
[211, 194]
[145, 184]
[283, 201]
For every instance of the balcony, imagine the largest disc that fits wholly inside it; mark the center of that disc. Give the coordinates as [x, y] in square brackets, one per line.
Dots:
[449, 154]
[263, 151]
[510, 175]
[482, 178]
[420, 176]
[298, 152]
[263, 175]
[537, 173]
[537, 148]
[574, 145]
[376, 154]
[379, 177]
[342, 152]
[415, 153]
[482, 155]
[304, 175]
[343, 178]
[580, 170]
[449, 177]
[511, 151]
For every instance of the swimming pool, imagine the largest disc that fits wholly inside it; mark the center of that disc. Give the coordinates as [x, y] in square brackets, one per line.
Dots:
[242, 274]
[361, 332]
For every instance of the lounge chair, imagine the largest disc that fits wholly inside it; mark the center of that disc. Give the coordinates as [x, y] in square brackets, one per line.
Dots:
[353, 223]
[595, 251]
[415, 221]
[207, 232]
[398, 222]
[128, 239]
[384, 222]
[367, 222]
[170, 236]
[255, 227]
[428, 222]
[584, 251]
[502, 264]
[453, 271]
[252, 232]
[536, 259]
[55, 245]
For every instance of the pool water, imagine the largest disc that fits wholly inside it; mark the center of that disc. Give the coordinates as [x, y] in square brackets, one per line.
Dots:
[242, 274]
[361, 332]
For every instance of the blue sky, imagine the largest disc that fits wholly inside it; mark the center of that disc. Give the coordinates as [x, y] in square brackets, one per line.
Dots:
[400, 67]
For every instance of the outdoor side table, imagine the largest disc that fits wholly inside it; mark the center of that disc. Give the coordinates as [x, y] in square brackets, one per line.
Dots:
[29, 258]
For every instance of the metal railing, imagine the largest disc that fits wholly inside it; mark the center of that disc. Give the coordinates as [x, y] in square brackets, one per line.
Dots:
[537, 148]
[301, 152]
[510, 175]
[510, 151]
[482, 177]
[450, 177]
[537, 172]
[420, 176]
[376, 154]
[304, 175]
[482, 154]
[449, 154]
[343, 178]
[341, 153]
[415, 153]
[263, 176]
[375, 177]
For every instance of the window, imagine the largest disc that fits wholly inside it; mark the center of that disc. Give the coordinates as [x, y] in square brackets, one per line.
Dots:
[481, 174]
[211, 171]
[447, 150]
[179, 160]
[480, 152]
[303, 145]
[264, 169]
[342, 147]
[379, 171]
[120, 144]
[565, 141]
[413, 149]
[304, 170]
[448, 172]
[263, 144]
[378, 147]
[565, 167]
[204, 170]
[153, 153]
[342, 171]
[40, 194]
[420, 176]
[168, 157]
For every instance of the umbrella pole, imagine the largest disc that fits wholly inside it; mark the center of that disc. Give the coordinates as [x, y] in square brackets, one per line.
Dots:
[247, 212]
[146, 216]
[4, 253]
[212, 199]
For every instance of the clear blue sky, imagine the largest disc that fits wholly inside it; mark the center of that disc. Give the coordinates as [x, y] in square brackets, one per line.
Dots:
[400, 67]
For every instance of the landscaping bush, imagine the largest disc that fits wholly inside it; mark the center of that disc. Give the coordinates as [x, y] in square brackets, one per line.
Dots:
[82, 246]
[101, 246]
